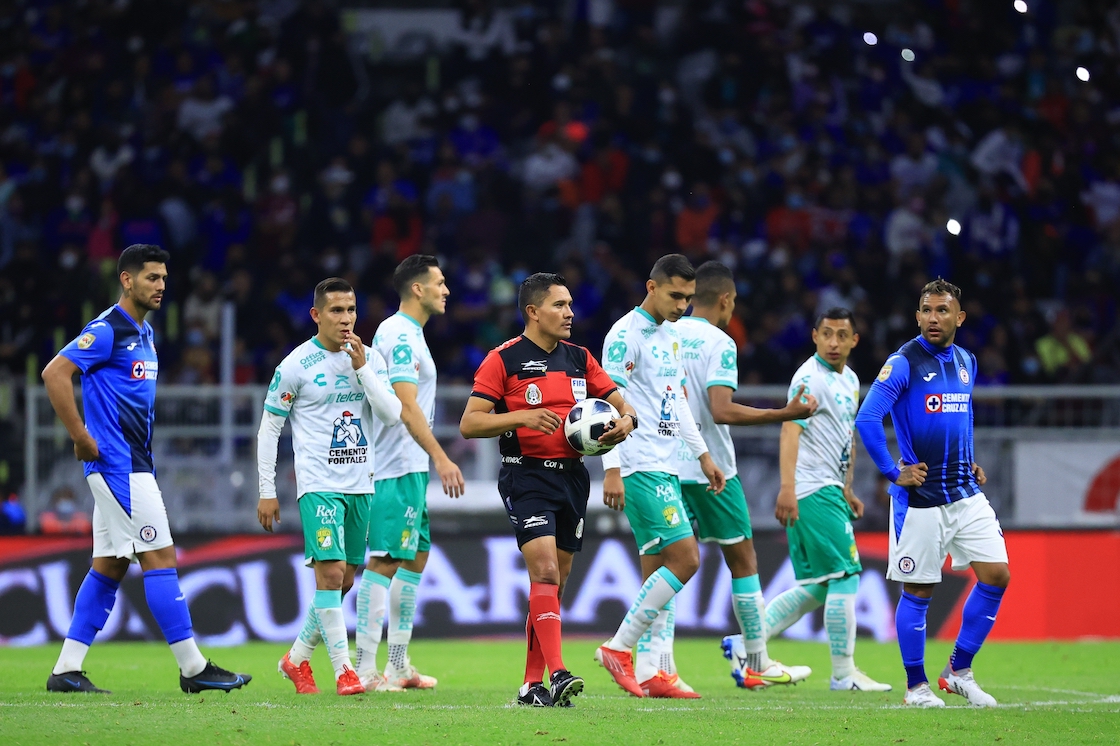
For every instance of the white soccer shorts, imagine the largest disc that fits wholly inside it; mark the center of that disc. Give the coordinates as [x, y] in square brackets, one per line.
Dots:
[129, 517]
[920, 538]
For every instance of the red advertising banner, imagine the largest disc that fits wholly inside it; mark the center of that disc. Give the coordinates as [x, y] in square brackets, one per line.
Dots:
[240, 588]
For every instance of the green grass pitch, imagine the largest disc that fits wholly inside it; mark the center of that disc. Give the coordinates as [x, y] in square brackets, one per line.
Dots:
[1049, 693]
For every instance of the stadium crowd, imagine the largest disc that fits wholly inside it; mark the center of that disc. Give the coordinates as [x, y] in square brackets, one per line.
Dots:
[266, 148]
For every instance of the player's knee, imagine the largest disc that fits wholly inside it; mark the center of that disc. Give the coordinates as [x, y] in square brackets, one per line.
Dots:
[999, 576]
[684, 561]
[545, 571]
[329, 576]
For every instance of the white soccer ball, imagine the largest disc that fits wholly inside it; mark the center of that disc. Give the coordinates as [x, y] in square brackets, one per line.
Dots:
[586, 421]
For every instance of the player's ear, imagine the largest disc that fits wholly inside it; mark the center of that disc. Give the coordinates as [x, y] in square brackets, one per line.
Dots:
[651, 285]
[855, 339]
[315, 314]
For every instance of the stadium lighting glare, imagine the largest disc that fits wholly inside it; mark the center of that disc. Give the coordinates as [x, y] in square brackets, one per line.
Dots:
[1021, 6]
[908, 55]
[953, 226]
[1083, 75]
[870, 39]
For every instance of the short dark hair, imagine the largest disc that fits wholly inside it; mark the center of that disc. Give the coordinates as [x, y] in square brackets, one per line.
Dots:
[331, 285]
[137, 255]
[535, 288]
[412, 268]
[940, 286]
[670, 266]
[713, 279]
[836, 313]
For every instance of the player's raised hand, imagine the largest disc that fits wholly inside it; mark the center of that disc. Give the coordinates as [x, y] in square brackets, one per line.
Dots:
[981, 477]
[614, 491]
[352, 345]
[716, 479]
[451, 477]
[85, 448]
[854, 504]
[785, 509]
[801, 405]
[542, 420]
[268, 512]
[912, 475]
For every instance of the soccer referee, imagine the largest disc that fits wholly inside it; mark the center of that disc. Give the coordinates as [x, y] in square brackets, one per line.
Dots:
[522, 392]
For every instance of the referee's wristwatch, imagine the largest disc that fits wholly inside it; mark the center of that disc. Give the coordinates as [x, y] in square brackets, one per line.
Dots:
[634, 417]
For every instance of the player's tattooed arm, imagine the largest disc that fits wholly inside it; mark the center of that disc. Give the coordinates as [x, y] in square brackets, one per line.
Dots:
[58, 379]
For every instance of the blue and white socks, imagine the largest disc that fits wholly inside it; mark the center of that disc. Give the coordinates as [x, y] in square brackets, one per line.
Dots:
[977, 618]
[910, 626]
[168, 605]
[92, 607]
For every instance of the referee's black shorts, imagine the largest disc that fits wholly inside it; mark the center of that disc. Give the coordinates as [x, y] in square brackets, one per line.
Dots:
[545, 497]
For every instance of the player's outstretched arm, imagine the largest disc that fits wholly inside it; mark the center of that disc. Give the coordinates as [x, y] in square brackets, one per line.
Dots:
[58, 379]
[789, 443]
[727, 412]
[416, 422]
[268, 439]
[481, 421]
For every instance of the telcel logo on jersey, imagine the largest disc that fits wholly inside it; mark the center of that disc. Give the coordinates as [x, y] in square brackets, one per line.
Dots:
[145, 370]
[938, 403]
[348, 442]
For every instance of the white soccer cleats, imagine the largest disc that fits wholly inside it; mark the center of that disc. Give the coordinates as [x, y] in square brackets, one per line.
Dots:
[857, 682]
[962, 683]
[922, 696]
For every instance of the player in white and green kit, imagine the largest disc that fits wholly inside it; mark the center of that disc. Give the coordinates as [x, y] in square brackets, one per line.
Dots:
[330, 388]
[816, 502]
[711, 364]
[642, 354]
[398, 529]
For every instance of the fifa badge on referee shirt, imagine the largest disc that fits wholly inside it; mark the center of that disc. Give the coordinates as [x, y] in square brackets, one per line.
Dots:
[579, 389]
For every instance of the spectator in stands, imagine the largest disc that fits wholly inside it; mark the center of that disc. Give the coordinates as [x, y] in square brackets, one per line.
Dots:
[1063, 353]
[63, 516]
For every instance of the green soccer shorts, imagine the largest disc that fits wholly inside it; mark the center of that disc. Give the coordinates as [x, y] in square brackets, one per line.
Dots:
[721, 517]
[329, 519]
[822, 545]
[655, 510]
[398, 526]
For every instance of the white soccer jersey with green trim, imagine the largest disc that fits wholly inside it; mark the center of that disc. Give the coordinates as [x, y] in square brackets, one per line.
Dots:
[320, 394]
[400, 340]
[644, 359]
[825, 450]
[710, 359]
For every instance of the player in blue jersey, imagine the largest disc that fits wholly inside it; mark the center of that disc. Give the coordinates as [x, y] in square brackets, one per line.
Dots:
[937, 506]
[116, 356]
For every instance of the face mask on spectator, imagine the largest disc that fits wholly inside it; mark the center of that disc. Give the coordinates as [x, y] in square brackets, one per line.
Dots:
[68, 259]
[75, 204]
[671, 180]
[280, 185]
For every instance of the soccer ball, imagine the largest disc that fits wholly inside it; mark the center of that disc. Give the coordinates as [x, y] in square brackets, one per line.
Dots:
[586, 421]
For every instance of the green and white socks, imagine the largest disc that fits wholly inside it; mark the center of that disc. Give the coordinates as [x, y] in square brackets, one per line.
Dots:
[328, 606]
[372, 592]
[839, 599]
[840, 624]
[784, 610]
[308, 638]
[402, 610]
[750, 610]
[655, 593]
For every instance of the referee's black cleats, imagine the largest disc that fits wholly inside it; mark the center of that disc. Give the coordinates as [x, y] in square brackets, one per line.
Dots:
[72, 681]
[564, 687]
[213, 677]
[534, 695]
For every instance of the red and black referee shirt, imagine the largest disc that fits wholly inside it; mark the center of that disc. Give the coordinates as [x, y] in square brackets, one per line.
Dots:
[520, 375]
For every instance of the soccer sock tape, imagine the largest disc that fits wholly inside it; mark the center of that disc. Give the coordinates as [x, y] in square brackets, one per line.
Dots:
[977, 618]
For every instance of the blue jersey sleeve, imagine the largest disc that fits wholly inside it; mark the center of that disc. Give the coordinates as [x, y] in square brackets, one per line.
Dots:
[888, 386]
[93, 346]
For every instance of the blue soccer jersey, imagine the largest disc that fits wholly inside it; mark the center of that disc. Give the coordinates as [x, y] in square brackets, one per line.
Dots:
[117, 358]
[928, 392]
